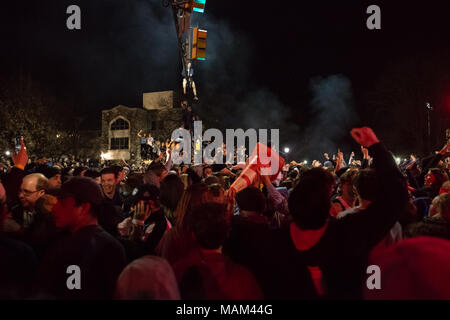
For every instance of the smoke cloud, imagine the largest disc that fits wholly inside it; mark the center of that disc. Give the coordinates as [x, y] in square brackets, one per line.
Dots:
[333, 115]
[129, 47]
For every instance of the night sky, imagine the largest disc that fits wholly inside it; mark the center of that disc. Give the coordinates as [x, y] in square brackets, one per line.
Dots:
[306, 67]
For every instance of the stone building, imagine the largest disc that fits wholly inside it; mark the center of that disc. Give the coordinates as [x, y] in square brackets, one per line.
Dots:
[121, 124]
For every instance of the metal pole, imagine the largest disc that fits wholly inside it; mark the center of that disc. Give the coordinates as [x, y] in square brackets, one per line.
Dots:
[429, 108]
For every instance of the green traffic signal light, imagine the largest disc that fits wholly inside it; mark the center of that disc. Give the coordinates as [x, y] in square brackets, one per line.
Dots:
[199, 6]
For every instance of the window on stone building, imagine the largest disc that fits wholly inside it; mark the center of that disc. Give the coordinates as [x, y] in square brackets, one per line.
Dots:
[119, 143]
[119, 124]
[153, 125]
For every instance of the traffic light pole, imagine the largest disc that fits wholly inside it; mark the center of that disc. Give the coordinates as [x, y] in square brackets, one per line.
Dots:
[182, 46]
[182, 10]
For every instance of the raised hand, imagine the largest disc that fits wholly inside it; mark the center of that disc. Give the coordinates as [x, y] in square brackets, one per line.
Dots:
[364, 136]
[339, 160]
[340, 155]
[21, 158]
[230, 194]
[365, 153]
[141, 211]
[445, 149]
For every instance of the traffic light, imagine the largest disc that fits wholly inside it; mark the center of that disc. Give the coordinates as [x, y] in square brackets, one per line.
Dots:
[199, 44]
[196, 5]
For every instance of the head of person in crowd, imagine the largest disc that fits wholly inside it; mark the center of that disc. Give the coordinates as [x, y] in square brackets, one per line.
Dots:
[171, 191]
[293, 173]
[32, 188]
[412, 269]
[328, 164]
[356, 163]
[147, 278]
[79, 171]
[207, 171]
[176, 169]
[126, 171]
[118, 172]
[365, 184]
[193, 177]
[413, 168]
[184, 168]
[46, 203]
[332, 171]
[193, 196]
[66, 174]
[156, 172]
[251, 200]
[216, 188]
[94, 174]
[150, 194]
[288, 184]
[52, 174]
[435, 178]
[134, 180]
[211, 224]
[346, 184]
[309, 202]
[109, 181]
[78, 205]
[445, 188]
[440, 206]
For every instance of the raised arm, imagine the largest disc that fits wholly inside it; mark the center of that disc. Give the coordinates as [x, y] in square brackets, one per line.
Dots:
[169, 160]
[339, 160]
[366, 228]
[13, 179]
[365, 161]
[431, 162]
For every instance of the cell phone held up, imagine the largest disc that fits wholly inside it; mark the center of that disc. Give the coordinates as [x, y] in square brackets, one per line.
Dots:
[18, 144]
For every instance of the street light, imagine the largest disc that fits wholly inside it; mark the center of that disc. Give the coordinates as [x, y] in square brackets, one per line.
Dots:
[305, 162]
[105, 156]
[8, 153]
[286, 150]
[429, 109]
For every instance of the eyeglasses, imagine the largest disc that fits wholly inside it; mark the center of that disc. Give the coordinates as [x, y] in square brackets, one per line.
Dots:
[27, 193]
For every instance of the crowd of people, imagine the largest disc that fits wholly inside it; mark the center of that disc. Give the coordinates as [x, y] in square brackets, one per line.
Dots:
[166, 231]
[152, 147]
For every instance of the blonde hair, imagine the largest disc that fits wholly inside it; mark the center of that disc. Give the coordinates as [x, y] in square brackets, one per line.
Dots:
[442, 203]
[194, 195]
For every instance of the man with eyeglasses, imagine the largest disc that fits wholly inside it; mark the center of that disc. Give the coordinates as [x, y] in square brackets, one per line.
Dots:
[98, 256]
[18, 264]
[28, 221]
[32, 189]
